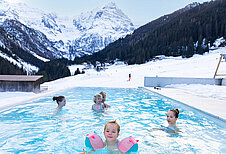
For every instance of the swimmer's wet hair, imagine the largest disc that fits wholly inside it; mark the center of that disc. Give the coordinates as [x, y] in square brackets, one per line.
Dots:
[58, 98]
[103, 94]
[176, 112]
[113, 122]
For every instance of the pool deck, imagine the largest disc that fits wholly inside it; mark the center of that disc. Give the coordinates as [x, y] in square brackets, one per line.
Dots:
[211, 106]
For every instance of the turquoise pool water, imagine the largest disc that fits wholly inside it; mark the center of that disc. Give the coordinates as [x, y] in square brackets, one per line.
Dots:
[35, 127]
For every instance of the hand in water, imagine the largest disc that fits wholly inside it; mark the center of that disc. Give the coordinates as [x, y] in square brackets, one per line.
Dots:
[83, 152]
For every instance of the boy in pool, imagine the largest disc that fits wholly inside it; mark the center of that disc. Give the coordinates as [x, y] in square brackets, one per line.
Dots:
[104, 99]
[98, 102]
[61, 101]
[111, 133]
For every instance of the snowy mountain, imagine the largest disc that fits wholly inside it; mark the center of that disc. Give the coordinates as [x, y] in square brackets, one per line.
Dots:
[28, 39]
[64, 36]
[99, 28]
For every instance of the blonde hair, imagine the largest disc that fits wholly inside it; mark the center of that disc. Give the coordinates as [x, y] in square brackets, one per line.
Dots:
[113, 122]
[97, 96]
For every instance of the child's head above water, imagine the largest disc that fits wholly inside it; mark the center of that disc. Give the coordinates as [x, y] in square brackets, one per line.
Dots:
[61, 101]
[104, 99]
[172, 116]
[111, 131]
[113, 122]
[98, 98]
[103, 95]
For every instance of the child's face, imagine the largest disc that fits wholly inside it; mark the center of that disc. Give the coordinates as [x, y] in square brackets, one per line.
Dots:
[171, 117]
[98, 100]
[104, 98]
[62, 103]
[111, 132]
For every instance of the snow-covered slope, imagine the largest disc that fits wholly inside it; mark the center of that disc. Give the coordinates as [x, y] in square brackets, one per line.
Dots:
[20, 63]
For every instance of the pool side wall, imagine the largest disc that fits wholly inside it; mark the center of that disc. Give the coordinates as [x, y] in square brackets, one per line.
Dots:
[223, 82]
[163, 81]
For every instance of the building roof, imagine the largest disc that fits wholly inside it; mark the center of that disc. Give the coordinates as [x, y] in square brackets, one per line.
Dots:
[20, 77]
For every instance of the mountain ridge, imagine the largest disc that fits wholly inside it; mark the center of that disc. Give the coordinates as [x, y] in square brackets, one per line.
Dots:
[184, 32]
[70, 36]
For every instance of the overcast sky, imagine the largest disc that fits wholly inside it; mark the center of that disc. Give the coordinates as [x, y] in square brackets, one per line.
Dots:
[139, 11]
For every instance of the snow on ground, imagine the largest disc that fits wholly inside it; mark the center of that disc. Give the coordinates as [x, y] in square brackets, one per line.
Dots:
[198, 66]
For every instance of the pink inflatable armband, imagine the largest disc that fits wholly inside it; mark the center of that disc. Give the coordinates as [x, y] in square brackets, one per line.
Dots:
[94, 141]
[128, 145]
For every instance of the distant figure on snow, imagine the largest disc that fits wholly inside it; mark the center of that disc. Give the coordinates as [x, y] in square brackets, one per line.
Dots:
[129, 77]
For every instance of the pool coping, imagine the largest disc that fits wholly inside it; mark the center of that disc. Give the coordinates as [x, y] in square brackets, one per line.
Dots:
[178, 100]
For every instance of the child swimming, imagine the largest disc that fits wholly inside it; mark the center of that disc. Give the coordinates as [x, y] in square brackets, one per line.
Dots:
[172, 116]
[61, 101]
[98, 102]
[111, 144]
[104, 99]
[111, 133]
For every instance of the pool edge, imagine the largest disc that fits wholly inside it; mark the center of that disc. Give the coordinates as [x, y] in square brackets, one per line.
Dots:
[220, 119]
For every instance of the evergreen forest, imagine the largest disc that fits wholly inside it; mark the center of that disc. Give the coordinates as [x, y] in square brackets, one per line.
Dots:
[183, 33]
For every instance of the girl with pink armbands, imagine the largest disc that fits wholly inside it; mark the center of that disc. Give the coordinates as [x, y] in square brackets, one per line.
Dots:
[112, 144]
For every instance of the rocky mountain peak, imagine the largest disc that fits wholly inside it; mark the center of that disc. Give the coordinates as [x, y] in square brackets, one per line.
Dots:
[69, 37]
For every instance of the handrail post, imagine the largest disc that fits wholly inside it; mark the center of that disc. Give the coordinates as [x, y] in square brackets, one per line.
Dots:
[218, 66]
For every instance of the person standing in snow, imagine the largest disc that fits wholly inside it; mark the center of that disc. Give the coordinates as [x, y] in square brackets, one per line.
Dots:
[129, 77]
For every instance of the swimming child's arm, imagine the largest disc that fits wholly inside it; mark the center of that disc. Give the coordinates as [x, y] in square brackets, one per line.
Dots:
[163, 128]
[106, 105]
[153, 129]
[168, 129]
[84, 152]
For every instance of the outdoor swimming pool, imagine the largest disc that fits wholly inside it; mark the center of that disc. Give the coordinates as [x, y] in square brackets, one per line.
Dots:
[34, 127]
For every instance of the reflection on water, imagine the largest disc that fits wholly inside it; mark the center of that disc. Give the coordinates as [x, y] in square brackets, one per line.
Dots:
[36, 127]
